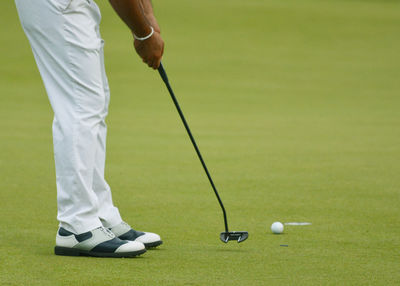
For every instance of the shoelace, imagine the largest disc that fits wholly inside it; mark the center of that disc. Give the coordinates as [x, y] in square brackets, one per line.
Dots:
[107, 231]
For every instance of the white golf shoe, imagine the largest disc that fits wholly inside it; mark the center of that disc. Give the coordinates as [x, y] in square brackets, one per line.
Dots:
[125, 232]
[99, 242]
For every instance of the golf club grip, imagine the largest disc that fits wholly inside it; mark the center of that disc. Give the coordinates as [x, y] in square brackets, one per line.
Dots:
[164, 77]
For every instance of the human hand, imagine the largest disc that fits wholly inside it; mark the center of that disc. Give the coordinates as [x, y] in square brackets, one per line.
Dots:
[150, 50]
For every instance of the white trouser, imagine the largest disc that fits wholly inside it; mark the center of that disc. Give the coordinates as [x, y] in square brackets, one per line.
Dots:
[65, 39]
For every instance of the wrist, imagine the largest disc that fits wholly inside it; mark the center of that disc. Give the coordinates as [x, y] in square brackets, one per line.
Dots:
[144, 37]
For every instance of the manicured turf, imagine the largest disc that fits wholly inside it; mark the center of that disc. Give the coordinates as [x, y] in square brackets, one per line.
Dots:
[296, 108]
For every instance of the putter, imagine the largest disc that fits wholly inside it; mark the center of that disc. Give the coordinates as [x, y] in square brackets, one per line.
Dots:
[227, 235]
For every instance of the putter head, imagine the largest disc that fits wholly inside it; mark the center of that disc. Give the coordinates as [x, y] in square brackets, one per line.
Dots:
[239, 236]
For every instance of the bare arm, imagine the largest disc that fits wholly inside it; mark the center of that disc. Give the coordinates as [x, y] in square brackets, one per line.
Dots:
[149, 14]
[133, 13]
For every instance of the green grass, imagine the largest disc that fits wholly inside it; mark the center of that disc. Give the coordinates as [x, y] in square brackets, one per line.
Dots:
[296, 108]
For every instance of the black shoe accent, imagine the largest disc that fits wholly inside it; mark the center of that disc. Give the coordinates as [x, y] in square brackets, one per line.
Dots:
[79, 237]
[153, 244]
[131, 235]
[83, 236]
[65, 251]
[64, 232]
[109, 245]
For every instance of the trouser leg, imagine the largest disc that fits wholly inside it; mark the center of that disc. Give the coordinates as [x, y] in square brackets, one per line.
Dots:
[68, 51]
[108, 213]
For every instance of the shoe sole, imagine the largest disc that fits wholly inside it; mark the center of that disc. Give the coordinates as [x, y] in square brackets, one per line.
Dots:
[153, 244]
[66, 251]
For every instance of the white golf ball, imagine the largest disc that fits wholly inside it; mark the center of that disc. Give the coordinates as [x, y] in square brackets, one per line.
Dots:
[277, 227]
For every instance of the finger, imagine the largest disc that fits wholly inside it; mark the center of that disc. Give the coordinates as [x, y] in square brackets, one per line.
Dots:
[157, 63]
[146, 60]
[152, 62]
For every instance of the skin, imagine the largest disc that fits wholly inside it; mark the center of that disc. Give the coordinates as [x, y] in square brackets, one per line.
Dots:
[138, 15]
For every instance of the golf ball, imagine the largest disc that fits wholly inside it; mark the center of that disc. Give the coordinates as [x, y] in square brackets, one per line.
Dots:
[277, 227]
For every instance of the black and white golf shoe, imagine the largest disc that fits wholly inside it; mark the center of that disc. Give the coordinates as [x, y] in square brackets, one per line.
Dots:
[99, 242]
[125, 232]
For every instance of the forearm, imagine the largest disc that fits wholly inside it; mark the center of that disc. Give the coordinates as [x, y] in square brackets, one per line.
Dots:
[147, 7]
[149, 14]
[133, 14]
[138, 16]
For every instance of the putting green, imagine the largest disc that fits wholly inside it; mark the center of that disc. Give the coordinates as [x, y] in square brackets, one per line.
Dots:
[295, 106]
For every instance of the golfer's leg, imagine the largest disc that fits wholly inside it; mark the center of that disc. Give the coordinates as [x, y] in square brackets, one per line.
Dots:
[108, 213]
[67, 52]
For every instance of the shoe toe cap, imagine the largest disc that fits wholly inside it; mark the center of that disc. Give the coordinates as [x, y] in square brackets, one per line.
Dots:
[130, 246]
[148, 237]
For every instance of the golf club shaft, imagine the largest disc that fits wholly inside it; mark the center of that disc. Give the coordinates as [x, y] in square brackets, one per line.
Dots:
[163, 75]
